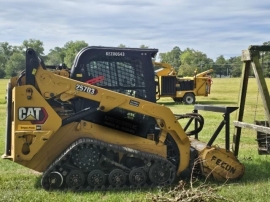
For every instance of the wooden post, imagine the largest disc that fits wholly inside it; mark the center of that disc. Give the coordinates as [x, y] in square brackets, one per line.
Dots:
[246, 57]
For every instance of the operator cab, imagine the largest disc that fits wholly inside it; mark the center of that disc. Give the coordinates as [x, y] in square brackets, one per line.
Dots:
[128, 71]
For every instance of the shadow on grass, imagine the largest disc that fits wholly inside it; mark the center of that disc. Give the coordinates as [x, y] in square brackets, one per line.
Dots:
[256, 172]
[205, 102]
[37, 184]
[169, 103]
[215, 102]
[198, 180]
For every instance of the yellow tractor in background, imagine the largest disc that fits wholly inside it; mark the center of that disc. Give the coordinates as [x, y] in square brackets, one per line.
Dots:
[97, 126]
[181, 89]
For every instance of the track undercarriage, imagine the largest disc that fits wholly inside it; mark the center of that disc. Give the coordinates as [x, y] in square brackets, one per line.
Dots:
[89, 164]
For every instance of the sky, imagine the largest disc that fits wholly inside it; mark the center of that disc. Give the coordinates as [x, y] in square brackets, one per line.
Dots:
[214, 27]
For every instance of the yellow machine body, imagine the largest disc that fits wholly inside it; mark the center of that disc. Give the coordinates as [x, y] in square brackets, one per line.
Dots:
[48, 139]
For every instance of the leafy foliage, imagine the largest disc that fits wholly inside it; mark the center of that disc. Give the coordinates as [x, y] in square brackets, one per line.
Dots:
[15, 64]
[185, 62]
[37, 45]
[121, 46]
[56, 56]
[5, 53]
[219, 66]
[143, 46]
[71, 49]
[235, 68]
[12, 59]
[192, 60]
[172, 57]
[265, 61]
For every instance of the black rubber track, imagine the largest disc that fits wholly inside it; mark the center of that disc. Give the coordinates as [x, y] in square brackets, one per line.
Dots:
[71, 174]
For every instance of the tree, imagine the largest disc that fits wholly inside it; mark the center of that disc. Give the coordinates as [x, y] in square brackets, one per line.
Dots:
[37, 45]
[3, 61]
[2, 73]
[15, 64]
[172, 57]
[235, 66]
[121, 46]
[143, 46]
[55, 56]
[6, 51]
[12, 59]
[71, 49]
[188, 66]
[192, 60]
[187, 70]
[220, 67]
[265, 60]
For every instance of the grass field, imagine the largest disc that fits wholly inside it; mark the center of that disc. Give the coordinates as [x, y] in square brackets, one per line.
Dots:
[20, 184]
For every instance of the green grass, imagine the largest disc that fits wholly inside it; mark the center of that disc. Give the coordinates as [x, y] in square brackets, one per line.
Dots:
[21, 184]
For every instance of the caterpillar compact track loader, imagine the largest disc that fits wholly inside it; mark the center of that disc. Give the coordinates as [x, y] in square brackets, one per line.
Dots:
[98, 127]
